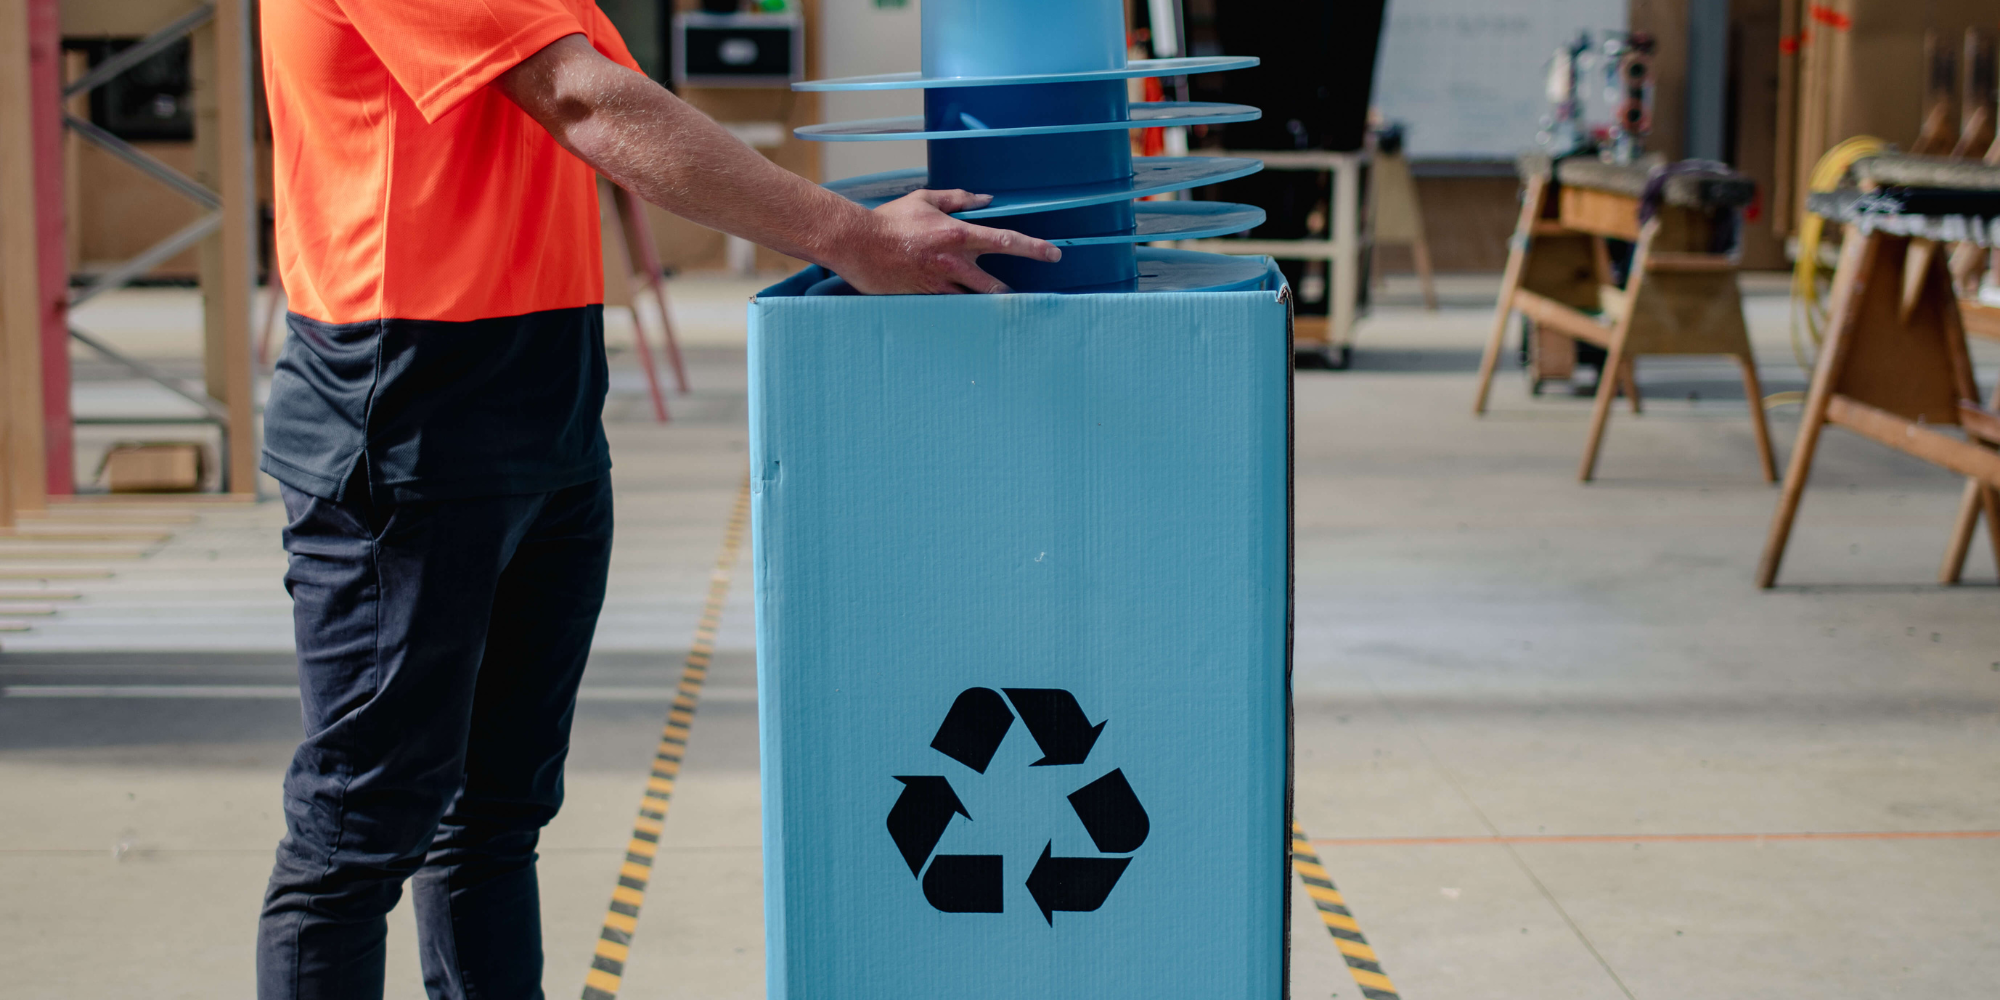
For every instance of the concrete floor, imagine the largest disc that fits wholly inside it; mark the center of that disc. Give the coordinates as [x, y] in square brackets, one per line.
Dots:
[1551, 740]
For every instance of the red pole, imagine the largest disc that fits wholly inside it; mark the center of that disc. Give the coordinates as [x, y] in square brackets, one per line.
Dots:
[619, 201]
[51, 223]
[649, 262]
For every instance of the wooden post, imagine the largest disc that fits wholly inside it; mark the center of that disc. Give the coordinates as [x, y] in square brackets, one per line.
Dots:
[6, 491]
[223, 61]
[45, 69]
[1791, 17]
[20, 282]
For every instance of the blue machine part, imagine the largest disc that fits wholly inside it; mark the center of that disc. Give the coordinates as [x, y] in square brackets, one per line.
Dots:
[1156, 114]
[1178, 220]
[1150, 175]
[1160, 270]
[1187, 66]
[975, 38]
[1026, 100]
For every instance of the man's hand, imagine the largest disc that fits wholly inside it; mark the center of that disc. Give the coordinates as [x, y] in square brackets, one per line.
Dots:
[635, 132]
[924, 251]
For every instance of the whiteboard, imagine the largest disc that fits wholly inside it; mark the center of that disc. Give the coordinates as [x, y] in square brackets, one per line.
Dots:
[1468, 77]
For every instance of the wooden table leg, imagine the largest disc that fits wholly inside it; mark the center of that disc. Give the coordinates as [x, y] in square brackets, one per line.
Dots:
[1978, 497]
[1517, 260]
[1426, 277]
[1753, 390]
[1961, 534]
[1858, 254]
[1600, 411]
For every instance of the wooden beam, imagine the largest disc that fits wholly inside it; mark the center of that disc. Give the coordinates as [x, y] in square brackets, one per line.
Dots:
[1978, 421]
[1962, 457]
[20, 290]
[1602, 213]
[1696, 262]
[225, 154]
[1561, 318]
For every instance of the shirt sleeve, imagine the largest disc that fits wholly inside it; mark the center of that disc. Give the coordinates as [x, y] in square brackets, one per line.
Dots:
[441, 51]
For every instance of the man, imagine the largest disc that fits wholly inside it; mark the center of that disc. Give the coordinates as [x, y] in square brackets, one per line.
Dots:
[435, 423]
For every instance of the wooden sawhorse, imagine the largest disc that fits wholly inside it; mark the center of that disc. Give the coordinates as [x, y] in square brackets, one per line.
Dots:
[1680, 298]
[1894, 365]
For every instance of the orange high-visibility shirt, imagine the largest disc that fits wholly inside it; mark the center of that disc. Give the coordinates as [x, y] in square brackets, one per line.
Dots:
[440, 250]
[405, 187]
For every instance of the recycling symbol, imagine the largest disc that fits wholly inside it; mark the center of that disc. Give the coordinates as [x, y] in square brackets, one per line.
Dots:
[976, 883]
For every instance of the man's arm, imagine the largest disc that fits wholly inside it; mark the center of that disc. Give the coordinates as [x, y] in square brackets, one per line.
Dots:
[637, 133]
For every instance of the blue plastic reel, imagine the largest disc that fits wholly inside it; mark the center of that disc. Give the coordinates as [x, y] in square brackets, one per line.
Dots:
[1025, 100]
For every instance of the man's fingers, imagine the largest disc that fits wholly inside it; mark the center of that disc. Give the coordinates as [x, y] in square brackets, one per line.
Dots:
[969, 275]
[981, 239]
[952, 199]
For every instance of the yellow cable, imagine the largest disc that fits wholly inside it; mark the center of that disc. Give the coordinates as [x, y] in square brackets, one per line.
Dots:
[1826, 175]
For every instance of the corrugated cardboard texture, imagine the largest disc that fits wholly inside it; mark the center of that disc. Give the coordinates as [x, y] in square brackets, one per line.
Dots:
[1079, 493]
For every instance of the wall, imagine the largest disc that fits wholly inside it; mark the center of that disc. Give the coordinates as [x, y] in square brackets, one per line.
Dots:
[858, 37]
[1753, 89]
[120, 211]
[1467, 221]
[1862, 70]
[1468, 76]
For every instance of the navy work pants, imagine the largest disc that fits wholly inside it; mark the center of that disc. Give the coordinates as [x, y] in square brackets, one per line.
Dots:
[440, 646]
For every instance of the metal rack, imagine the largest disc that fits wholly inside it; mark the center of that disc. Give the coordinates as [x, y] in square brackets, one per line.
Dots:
[39, 460]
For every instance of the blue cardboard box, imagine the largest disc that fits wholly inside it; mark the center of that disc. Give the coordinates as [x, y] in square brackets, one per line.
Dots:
[1023, 622]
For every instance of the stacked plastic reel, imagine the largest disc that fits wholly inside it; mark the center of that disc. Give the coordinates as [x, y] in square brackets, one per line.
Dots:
[1025, 100]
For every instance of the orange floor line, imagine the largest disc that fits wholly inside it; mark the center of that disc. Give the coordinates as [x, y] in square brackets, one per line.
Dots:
[1658, 838]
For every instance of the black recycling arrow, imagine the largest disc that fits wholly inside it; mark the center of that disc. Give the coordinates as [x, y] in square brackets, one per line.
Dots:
[920, 814]
[1075, 884]
[966, 883]
[1057, 723]
[974, 727]
[1112, 814]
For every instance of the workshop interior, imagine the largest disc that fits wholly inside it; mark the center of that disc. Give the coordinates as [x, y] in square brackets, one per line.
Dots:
[1496, 499]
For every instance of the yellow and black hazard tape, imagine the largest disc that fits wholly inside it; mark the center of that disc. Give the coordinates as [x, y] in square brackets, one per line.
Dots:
[1361, 961]
[614, 942]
